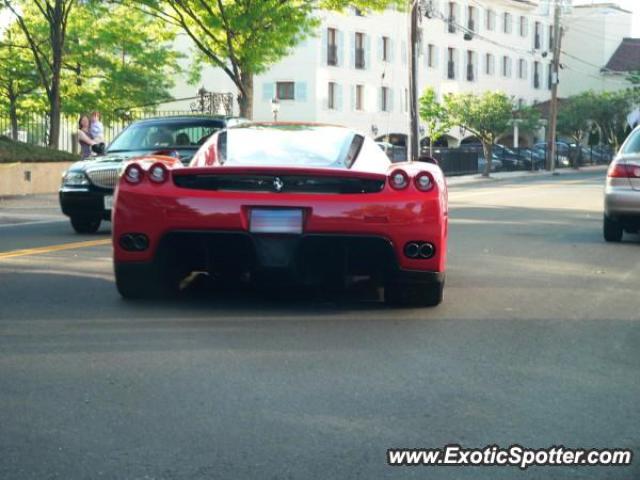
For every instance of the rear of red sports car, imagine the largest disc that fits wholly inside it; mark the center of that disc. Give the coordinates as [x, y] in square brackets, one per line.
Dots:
[283, 203]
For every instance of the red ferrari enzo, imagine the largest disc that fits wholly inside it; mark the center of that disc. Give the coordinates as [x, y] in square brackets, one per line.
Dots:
[311, 204]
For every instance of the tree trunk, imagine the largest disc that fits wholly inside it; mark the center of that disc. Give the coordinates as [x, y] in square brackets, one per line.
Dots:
[245, 99]
[13, 115]
[57, 33]
[488, 156]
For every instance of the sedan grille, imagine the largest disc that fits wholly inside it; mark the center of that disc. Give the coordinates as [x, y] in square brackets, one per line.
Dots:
[280, 183]
[104, 178]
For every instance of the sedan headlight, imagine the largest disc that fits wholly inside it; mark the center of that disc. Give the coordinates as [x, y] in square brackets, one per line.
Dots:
[75, 179]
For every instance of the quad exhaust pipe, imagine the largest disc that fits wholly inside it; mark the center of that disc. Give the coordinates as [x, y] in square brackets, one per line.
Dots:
[419, 250]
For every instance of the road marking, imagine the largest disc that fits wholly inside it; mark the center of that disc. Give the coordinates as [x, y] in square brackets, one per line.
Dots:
[35, 222]
[53, 248]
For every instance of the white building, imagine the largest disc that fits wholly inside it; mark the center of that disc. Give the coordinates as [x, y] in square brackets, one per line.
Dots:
[354, 72]
[593, 34]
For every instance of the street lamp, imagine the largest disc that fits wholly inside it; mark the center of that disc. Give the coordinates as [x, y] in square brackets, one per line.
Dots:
[275, 108]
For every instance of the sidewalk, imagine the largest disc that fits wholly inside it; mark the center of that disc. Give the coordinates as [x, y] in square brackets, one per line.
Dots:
[499, 176]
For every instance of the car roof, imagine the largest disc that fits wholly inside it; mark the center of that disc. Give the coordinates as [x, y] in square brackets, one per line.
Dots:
[177, 119]
[291, 126]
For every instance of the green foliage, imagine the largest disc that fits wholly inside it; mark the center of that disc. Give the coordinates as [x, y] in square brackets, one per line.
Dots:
[11, 152]
[434, 115]
[487, 116]
[575, 115]
[117, 57]
[609, 110]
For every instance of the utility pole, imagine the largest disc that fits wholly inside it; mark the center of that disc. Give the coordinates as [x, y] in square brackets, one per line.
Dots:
[555, 66]
[414, 149]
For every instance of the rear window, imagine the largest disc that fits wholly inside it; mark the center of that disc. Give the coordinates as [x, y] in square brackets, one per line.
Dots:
[633, 143]
[287, 146]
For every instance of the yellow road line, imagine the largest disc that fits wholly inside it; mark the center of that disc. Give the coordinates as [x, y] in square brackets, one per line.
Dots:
[53, 248]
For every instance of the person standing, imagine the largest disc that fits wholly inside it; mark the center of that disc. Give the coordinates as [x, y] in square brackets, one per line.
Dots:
[84, 137]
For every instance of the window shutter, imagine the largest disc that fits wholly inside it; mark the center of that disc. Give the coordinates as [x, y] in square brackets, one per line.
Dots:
[391, 51]
[338, 96]
[436, 55]
[353, 97]
[324, 41]
[380, 99]
[352, 50]
[268, 91]
[445, 62]
[300, 92]
[456, 61]
[340, 48]
[479, 19]
[390, 93]
[403, 52]
[367, 52]
[380, 49]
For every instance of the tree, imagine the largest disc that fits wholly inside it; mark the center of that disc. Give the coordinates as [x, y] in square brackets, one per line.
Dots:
[435, 116]
[18, 77]
[574, 118]
[117, 57]
[487, 116]
[245, 37]
[46, 46]
[609, 110]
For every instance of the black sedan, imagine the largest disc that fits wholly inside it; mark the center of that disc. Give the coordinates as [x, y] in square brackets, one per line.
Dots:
[86, 194]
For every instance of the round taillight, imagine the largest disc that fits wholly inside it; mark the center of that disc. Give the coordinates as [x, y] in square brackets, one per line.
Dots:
[158, 173]
[133, 174]
[398, 179]
[424, 182]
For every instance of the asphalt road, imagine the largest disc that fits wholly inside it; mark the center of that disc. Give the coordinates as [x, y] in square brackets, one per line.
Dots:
[537, 343]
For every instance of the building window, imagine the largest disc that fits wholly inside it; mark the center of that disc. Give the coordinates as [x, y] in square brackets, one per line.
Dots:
[384, 97]
[285, 90]
[332, 96]
[452, 17]
[522, 69]
[470, 66]
[551, 39]
[521, 103]
[523, 26]
[507, 22]
[536, 74]
[471, 22]
[550, 77]
[490, 20]
[332, 47]
[359, 51]
[506, 66]
[359, 97]
[431, 52]
[537, 41]
[451, 64]
[489, 64]
[386, 52]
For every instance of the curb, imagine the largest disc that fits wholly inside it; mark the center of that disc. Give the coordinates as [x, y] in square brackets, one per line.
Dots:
[501, 176]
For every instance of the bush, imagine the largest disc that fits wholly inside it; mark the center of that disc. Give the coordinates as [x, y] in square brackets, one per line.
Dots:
[11, 152]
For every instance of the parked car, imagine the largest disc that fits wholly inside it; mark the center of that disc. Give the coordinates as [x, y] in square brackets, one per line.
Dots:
[269, 203]
[86, 193]
[496, 163]
[622, 191]
[563, 152]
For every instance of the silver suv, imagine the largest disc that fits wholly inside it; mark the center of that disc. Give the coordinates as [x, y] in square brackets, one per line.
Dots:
[622, 191]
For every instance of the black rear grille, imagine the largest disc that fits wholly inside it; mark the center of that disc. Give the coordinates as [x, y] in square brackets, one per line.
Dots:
[279, 183]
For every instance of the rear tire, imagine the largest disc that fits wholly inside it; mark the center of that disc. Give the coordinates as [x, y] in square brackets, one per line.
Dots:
[612, 229]
[414, 294]
[85, 225]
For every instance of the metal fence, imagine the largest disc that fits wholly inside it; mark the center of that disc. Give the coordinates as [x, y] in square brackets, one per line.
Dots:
[34, 128]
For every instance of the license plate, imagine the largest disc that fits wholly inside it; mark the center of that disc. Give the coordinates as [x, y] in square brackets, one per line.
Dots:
[108, 202]
[282, 220]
